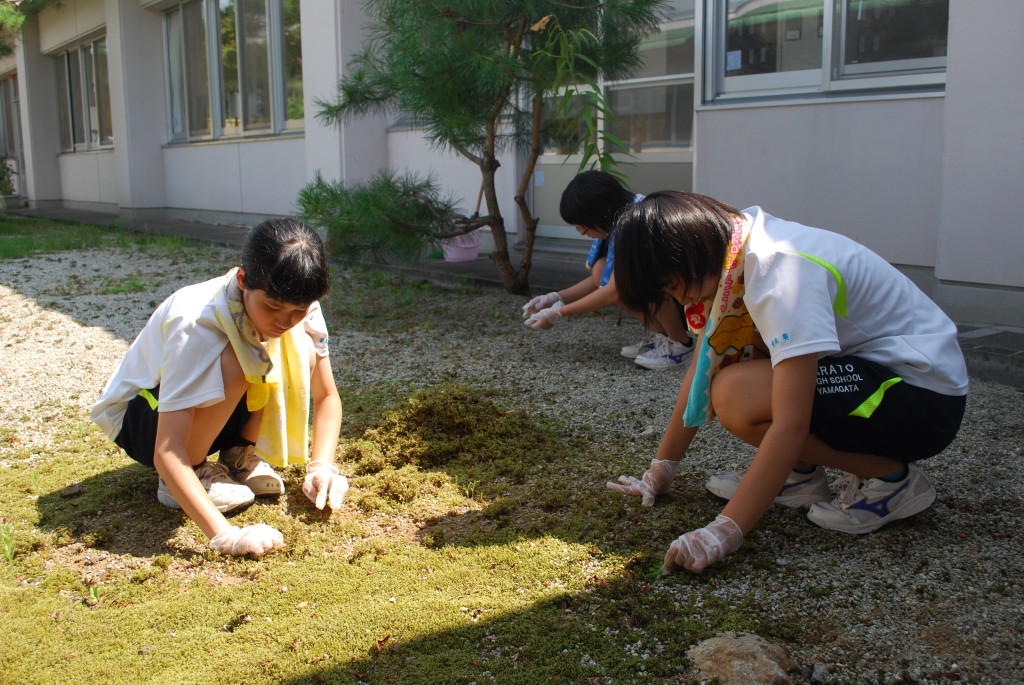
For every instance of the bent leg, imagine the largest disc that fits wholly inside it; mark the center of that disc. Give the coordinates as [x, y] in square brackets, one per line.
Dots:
[208, 422]
[741, 397]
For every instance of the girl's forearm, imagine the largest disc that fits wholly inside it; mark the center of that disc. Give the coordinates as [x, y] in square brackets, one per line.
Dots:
[180, 478]
[327, 415]
[677, 437]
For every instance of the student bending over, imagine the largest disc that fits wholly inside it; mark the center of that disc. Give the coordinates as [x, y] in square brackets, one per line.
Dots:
[591, 202]
[812, 348]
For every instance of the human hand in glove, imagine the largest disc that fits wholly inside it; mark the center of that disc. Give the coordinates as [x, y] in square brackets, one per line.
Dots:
[545, 318]
[540, 302]
[700, 548]
[253, 540]
[324, 484]
[656, 481]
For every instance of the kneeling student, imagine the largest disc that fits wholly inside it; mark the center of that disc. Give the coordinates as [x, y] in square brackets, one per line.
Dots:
[230, 366]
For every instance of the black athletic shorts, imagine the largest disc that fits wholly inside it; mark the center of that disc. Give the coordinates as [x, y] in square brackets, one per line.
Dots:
[138, 429]
[863, 407]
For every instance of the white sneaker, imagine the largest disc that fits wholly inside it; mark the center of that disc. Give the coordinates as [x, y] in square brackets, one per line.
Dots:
[800, 490]
[649, 342]
[867, 505]
[226, 494]
[251, 470]
[666, 354]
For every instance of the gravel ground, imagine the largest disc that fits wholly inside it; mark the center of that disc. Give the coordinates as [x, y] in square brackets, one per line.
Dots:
[936, 598]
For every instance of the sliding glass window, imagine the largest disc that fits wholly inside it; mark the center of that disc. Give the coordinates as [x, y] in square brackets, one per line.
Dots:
[84, 97]
[234, 68]
[653, 109]
[187, 72]
[763, 48]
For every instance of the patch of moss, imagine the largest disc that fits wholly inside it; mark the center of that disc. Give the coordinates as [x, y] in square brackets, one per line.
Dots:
[62, 579]
[449, 424]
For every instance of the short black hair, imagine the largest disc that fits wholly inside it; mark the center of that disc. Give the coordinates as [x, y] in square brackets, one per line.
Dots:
[286, 258]
[594, 199]
[665, 236]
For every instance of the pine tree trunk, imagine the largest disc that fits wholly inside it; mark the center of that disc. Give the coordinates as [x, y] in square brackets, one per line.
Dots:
[516, 281]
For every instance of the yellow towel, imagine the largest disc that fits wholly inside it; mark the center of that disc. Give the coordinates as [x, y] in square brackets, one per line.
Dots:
[278, 374]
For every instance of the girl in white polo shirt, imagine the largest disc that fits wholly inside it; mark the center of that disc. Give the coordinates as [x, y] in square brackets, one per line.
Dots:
[230, 366]
[812, 348]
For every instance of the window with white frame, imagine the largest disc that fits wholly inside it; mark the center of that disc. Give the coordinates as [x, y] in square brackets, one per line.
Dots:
[653, 110]
[84, 90]
[756, 48]
[234, 68]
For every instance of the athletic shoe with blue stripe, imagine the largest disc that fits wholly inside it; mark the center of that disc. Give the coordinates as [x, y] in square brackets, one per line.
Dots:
[867, 505]
[666, 354]
[800, 490]
[648, 343]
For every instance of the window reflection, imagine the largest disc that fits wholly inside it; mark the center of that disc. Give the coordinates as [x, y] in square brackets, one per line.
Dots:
[254, 64]
[653, 118]
[769, 37]
[230, 95]
[670, 50]
[294, 107]
[198, 98]
[890, 30]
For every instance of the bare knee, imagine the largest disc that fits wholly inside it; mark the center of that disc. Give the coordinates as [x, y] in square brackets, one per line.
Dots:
[741, 397]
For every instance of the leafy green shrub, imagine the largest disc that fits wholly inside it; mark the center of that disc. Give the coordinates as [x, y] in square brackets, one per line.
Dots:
[391, 215]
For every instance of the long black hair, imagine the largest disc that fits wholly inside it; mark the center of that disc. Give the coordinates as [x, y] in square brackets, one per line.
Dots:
[666, 236]
[286, 258]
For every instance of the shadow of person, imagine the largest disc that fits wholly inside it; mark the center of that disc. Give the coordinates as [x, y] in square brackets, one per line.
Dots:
[115, 510]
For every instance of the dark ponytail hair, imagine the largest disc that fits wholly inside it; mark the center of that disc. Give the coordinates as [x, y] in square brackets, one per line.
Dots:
[669, 235]
[286, 258]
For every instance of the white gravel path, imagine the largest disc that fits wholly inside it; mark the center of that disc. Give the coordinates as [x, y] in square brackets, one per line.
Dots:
[936, 600]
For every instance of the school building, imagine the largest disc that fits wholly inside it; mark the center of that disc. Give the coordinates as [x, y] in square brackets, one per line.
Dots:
[899, 123]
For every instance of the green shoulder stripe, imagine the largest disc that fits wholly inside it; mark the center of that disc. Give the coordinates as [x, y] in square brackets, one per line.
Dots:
[839, 303]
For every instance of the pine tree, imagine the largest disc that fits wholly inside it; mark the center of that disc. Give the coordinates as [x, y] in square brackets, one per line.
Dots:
[476, 77]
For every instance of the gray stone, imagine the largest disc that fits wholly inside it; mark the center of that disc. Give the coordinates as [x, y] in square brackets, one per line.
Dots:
[819, 674]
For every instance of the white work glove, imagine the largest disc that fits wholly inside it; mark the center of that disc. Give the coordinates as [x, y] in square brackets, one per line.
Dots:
[545, 318]
[656, 481]
[254, 540]
[700, 548]
[324, 484]
[540, 302]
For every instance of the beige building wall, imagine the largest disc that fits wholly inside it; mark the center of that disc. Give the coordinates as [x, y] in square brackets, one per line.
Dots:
[929, 183]
[980, 237]
[67, 21]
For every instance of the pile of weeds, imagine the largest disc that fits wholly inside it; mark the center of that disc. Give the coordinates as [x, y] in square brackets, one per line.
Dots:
[450, 424]
[454, 445]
